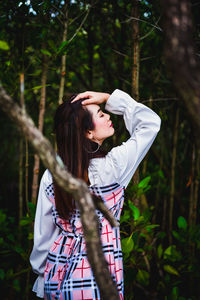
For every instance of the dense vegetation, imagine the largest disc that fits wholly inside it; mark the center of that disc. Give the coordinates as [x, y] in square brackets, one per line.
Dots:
[160, 221]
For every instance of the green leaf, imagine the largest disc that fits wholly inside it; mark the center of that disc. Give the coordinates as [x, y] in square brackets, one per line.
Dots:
[182, 223]
[46, 52]
[30, 236]
[16, 285]
[96, 55]
[144, 182]
[125, 217]
[127, 244]
[4, 46]
[135, 210]
[172, 254]
[25, 221]
[177, 236]
[2, 217]
[37, 87]
[175, 292]
[96, 47]
[160, 251]
[62, 46]
[19, 249]
[161, 174]
[142, 277]
[169, 250]
[117, 23]
[171, 270]
[149, 227]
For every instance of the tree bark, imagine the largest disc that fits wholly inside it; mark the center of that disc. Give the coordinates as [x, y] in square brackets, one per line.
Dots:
[40, 125]
[76, 187]
[135, 72]
[136, 50]
[196, 187]
[26, 174]
[173, 170]
[90, 43]
[181, 56]
[21, 142]
[64, 56]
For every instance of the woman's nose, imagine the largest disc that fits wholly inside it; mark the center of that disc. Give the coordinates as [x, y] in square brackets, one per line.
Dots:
[108, 116]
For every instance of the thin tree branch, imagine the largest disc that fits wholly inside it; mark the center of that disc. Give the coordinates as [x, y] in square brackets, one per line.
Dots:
[159, 99]
[80, 26]
[140, 20]
[148, 33]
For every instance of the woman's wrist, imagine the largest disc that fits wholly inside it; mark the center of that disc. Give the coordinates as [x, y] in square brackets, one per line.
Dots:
[106, 96]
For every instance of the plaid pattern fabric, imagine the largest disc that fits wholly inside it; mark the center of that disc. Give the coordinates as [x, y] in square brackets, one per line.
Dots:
[68, 274]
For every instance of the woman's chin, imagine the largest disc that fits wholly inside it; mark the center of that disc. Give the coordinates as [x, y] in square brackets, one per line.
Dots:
[112, 132]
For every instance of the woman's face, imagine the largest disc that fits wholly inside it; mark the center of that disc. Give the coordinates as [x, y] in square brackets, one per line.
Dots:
[103, 125]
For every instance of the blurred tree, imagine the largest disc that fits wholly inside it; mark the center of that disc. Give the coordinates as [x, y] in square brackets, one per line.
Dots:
[181, 55]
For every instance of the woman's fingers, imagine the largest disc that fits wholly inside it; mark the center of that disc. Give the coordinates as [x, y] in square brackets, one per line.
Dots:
[92, 97]
[87, 94]
[89, 101]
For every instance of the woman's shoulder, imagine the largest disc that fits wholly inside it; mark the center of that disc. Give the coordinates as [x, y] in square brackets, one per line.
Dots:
[46, 178]
[103, 170]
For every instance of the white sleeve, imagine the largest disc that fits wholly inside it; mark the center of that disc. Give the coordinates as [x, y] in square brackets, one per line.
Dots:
[45, 233]
[142, 124]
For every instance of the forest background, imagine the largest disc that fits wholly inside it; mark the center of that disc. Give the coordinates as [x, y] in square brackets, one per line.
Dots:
[51, 48]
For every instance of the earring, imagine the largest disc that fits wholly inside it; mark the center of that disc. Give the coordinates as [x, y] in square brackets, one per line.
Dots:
[94, 150]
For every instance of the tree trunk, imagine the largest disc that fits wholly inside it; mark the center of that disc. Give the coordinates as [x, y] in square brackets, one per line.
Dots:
[158, 204]
[136, 50]
[135, 72]
[21, 142]
[196, 187]
[64, 56]
[90, 42]
[181, 56]
[40, 126]
[76, 187]
[26, 174]
[173, 170]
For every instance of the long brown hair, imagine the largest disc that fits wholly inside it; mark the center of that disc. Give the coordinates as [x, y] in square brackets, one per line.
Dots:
[71, 123]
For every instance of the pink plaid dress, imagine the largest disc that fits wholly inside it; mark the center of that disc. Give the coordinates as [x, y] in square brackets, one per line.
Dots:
[68, 274]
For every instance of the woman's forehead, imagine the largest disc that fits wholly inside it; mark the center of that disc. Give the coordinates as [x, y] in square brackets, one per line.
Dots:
[93, 108]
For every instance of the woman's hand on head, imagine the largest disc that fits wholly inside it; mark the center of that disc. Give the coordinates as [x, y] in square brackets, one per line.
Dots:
[92, 97]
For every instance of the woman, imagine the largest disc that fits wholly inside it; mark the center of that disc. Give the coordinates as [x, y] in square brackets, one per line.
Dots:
[59, 255]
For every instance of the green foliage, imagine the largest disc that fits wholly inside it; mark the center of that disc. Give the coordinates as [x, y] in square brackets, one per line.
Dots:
[4, 46]
[136, 191]
[62, 46]
[144, 242]
[127, 244]
[181, 222]
[46, 52]
[16, 244]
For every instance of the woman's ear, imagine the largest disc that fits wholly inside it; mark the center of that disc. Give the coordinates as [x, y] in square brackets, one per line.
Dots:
[89, 135]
